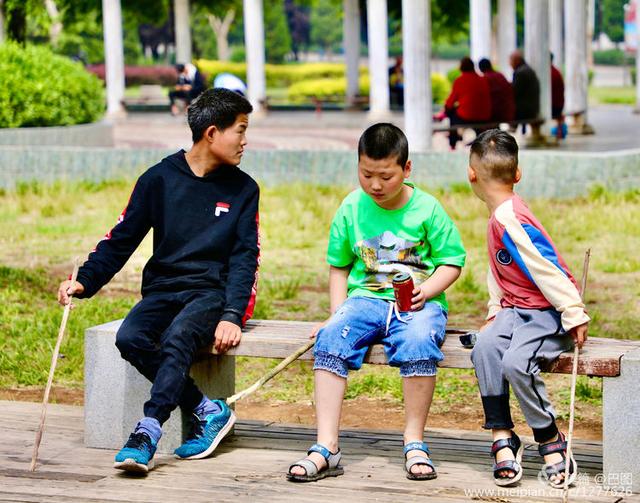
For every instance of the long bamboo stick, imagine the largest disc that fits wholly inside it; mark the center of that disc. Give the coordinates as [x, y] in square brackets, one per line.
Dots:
[574, 377]
[52, 369]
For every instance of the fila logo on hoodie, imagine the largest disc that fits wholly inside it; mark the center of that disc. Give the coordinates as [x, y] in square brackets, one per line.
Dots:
[222, 208]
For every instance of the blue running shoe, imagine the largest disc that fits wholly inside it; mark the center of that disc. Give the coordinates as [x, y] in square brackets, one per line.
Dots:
[137, 454]
[207, 433]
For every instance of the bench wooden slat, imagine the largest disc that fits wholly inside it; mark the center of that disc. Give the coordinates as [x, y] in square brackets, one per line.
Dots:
[278, 339]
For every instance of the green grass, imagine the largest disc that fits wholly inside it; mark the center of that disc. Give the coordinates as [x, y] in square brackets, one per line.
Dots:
[43, 227]
[613, 95]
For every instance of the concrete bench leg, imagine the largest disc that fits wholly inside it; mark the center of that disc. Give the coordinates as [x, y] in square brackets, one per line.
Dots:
[115, 392]
[621, 426]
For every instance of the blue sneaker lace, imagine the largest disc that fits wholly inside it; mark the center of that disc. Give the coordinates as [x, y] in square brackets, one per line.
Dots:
[197, 428]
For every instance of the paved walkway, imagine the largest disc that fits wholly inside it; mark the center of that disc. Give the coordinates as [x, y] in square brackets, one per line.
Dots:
[617, 128]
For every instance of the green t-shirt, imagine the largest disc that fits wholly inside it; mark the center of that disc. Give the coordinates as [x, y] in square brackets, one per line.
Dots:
[379, 243]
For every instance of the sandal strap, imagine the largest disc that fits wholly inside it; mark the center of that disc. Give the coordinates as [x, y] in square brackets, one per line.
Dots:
[512, 443]
[332, 458]
[559, 445]
[416, 446]
[508, 464]
[309, 466]
[418, 460]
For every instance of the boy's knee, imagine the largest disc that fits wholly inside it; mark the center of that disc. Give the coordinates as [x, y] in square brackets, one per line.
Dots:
[126, 341]
[513, 367]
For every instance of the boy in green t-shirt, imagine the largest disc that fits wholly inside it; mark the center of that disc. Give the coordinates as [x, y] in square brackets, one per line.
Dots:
[387, 226]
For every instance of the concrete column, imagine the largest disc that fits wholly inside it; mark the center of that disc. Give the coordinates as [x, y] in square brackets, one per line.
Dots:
[351, 42]
[536, 48]
[254, 46]
[556, 31]
[621, 427]
[416, 47]
[637, 109]
[114, 56]
[182, 18]
[577, 79]
[377, 28]
[507, 41]
[480, 21]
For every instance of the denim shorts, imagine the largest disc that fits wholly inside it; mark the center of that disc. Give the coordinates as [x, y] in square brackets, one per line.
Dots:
[411, 340]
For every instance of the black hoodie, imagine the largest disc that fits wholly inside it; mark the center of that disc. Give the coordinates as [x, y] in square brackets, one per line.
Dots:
[205, 235]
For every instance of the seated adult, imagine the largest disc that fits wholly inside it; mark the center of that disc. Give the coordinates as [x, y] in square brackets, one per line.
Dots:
[469, 101]
[396, 83]
[503, 107]
[557, 101]
[188, 87]
[526, 88]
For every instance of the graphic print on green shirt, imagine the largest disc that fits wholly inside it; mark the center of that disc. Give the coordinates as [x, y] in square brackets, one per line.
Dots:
[378, 243]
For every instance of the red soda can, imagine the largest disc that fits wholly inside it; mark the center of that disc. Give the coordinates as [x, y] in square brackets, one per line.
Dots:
[403, 290]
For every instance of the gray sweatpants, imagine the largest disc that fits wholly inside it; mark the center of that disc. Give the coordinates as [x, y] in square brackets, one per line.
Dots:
[511, 351]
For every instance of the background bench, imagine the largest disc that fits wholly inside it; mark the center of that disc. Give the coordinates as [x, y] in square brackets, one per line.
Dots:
[115, 392]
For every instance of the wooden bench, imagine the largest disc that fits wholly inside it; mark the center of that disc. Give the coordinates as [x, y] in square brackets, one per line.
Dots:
[115, 392]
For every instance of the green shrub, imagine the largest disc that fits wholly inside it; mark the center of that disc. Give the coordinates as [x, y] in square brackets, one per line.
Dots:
[614, 57]
[453, 74]
[335, 89]
[450, 51]
[41, 88]
[277, 75]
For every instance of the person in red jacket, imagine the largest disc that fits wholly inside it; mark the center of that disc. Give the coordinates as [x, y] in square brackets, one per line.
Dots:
[557, 100]
[503, 106]
[469, 101]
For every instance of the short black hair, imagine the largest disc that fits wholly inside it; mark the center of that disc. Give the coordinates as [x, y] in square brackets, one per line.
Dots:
[215, 107]
[497, 153]
[484, 64]
[466, 65]
[179, 68]
[384, 140]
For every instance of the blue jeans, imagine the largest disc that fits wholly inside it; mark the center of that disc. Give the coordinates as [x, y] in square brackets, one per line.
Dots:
[160, 337]
[411, 340]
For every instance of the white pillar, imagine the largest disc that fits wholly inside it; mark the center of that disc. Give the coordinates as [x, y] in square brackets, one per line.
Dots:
[536, 48]
[556, 30]
[113, 55]
[480, 21]
[637, 110]
[377, 29]
[183, 31]
[254, 46]
[507, 41]
[577, 79]
[351, 42]
[416, 48]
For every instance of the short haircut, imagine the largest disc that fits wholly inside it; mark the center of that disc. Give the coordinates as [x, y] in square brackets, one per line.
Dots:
[215, 107]
[384, 140]
[466, 65]
[497, 153]
[179, 68]
[484, 64]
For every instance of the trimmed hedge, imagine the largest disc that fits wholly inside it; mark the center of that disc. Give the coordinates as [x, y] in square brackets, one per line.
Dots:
[40, 88]
[277, 75]
[139, 75]
[335, 89]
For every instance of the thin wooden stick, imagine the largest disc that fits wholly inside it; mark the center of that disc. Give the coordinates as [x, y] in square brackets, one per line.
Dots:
[574, 377]
[272, 373]
[54, 361]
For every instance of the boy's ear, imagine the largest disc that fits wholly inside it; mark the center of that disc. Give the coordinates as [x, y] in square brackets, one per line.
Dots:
[407, 169]
[471, 174]
[516, 179]
[210, 133]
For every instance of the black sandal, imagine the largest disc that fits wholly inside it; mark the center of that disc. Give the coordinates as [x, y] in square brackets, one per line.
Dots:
[551, 470]
[512, 465]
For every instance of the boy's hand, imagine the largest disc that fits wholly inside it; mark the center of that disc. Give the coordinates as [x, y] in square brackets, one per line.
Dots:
[227, 336]
[419, 298]
[579, 334]
[316, 328]
[66, 289]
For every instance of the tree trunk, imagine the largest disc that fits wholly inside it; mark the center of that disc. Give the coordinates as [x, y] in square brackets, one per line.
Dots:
[2, 34]
[221, 28]
[17, 28]
[56, 24]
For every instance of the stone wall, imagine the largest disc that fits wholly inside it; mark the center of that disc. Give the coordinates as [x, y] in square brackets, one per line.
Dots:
[96, 134]
[545, 173]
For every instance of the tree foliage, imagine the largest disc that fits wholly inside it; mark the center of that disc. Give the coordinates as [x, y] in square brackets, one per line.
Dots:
[326, 25]
[277, 37]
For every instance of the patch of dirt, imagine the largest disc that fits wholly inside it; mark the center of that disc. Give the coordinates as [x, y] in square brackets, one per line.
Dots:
[365, 413]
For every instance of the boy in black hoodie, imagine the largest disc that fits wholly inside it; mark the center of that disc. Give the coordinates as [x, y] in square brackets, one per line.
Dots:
[199, 284]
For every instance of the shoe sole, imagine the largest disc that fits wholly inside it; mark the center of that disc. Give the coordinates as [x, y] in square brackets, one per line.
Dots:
[329, 472]
[131, 465]
[223, 433]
